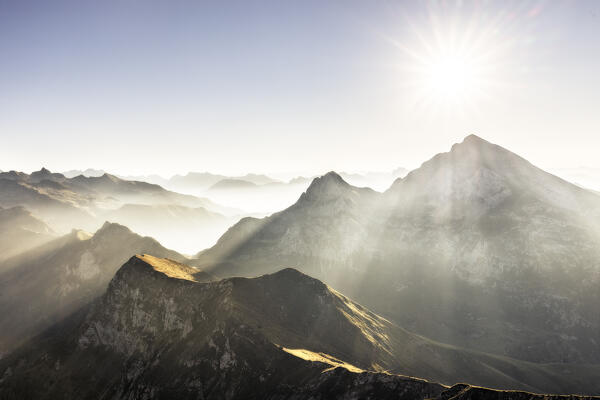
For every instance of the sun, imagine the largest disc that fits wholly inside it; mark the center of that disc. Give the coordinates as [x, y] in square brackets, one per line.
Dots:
[452, 65]
[451, 77]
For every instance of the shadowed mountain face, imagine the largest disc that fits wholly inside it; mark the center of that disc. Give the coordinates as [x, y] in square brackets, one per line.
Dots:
[158, 332]
[21, 231]
[477, 248]
[48, 283]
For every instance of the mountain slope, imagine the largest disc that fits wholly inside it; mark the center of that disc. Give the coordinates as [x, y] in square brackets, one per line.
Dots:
[481, 249]
[158, 332]
[21, 231]
[322, 229]
[48, 283]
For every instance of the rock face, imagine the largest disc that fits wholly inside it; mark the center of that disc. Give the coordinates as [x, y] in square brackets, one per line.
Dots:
[477, 248]
[48, 283]
[158, 332]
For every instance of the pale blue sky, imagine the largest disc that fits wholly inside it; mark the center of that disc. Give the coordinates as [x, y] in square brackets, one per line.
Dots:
[166, 87]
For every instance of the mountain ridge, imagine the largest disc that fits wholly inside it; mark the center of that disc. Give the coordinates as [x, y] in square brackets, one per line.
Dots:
[178, 337]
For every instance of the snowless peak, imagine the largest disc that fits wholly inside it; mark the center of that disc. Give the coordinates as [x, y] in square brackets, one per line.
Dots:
[112, 228]
[41, 173]
[330, 178]
[472, 138]
[291, 273]
[107, 176]
[471, 142]
[44, 174]
[329, 185]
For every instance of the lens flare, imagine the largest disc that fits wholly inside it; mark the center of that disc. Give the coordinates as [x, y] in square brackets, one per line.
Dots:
[451, 63]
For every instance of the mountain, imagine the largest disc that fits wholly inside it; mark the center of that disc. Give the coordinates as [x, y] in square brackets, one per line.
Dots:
[374, 180]
[21, 231]
[48, 283]
[174, 226]
[255, 198]
[477, 248]
[249, 194]
[232, 184]
[53, 202]
[330, 207]
[134, 191]
[204, 180]
[159, 332]
[88, 172]
[65, 203]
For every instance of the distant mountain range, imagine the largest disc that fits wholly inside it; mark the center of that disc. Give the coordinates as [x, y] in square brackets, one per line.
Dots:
[87, 202]
[159, 329]
[199, 181]
[250, 194]
[477, 248]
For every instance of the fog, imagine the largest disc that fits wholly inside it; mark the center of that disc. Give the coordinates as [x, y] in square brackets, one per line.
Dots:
[187, 213]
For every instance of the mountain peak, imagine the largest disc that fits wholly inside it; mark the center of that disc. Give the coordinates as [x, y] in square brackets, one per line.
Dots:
[472, 138]
[329, 179]
[331, 185]
[108, 177]
[112, 228]
[333, 177]
[292, 274]
[474, 143]
[44, 173]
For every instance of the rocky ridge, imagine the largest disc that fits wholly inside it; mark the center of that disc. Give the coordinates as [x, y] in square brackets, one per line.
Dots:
[158, 332]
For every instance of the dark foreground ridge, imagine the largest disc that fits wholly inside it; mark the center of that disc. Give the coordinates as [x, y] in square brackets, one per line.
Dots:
[158, 332]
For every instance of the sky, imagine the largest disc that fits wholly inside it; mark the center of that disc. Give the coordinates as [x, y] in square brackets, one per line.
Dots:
[140, 87]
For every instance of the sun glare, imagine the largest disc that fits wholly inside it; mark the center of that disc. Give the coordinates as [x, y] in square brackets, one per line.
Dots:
[451, 77]
[450, 65]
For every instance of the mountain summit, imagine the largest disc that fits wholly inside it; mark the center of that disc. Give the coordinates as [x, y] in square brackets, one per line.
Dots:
[477, 176]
